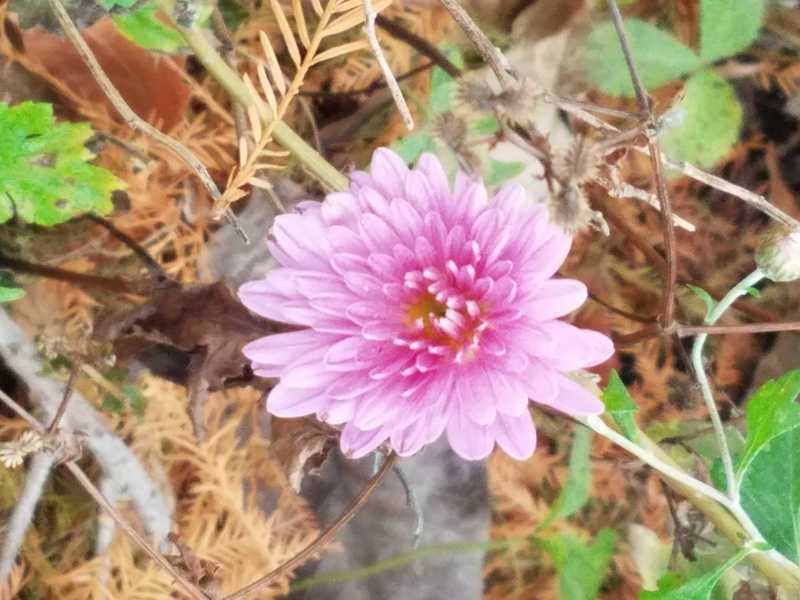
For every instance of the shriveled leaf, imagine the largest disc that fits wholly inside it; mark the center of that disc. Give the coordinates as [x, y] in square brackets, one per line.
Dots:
[581, 566]
[660, 57]
[770, 493]
[712, 117]
[45, 176]
[771, 411]
[672, 586]
[620, 405]
[146, 29]
[728, 26]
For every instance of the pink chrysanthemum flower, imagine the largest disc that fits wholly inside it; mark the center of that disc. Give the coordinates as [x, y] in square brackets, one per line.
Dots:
[423, 310]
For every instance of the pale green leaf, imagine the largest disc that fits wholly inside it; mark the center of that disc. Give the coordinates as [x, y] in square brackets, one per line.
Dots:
[672, 586]
[581, 567]
[660, 57]
[770, 493]
[413, 145]
[705, 297]
[144, 28]
[728, 26]
[500, 171]
[620, 405]
[45, 176]
[770, 412]
[712, 117]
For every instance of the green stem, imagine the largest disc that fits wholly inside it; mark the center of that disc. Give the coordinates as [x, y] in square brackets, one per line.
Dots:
[740, 289]
[400, 560]
[727, 516]
[312, 160]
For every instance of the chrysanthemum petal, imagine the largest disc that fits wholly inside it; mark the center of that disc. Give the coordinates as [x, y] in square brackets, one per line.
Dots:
[356, 443]
[575, 348]
[515, 435]
[469, 440]
[287, 402]
[575, 399]
[555, 298]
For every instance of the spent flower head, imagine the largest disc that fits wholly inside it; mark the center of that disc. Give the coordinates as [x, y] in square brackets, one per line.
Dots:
[778, 253]
[423, 310]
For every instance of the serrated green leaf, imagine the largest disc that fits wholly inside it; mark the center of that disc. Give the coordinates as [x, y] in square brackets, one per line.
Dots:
[487, 125]
[581, 567]
[620, 405]
[672, 586]
[45, 176]
[413, 145]
[144, 28]
[575, 492]
[770, 493]
[660, 57]
[705, 297]
[500, 171]
[728, 26]
[443, 86]
[770, 412]
[711, 122]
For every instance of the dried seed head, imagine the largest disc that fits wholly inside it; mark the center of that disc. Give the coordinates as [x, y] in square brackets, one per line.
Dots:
[477, 95]
[570, 210]
[778, 254]
[580, 164]
[452, 130]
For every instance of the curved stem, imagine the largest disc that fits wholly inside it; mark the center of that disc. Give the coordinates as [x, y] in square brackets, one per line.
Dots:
[740, 289]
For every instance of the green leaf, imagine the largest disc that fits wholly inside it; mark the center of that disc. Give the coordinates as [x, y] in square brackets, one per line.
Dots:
[620, 405]
[109, 4]
[712, 117]
[770, 493]
[728, 26]
[484, 126]
[705, 297]
[9, 291]
[770, 412]
[136, 401]
[500, 171]
[412, 146]
[112, 404]
[672, 587]
[575, 492]
[44, 174]
[660, 57]
[581, 567]
[444, 87]
[144, 28]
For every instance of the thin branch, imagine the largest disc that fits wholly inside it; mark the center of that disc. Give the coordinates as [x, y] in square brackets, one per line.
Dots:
[420, 44]
[87, 484]
[397, 94]
[624, 313]
[690, 330]
[488, 51]
[129, 116]
[62, 407]
[658, 168]
[153, 266]
[325, 537]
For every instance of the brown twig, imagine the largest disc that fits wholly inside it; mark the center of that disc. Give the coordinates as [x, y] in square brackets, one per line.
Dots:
[325, 537]
[62, 407]
[108, 284]
[749, 328]
[488, 51]
[153, 266]
[419, 44]
[642, 97]
[624, 313]
[83, 479]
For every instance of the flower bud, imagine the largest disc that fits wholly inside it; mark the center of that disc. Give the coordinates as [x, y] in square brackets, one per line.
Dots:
[778, 254]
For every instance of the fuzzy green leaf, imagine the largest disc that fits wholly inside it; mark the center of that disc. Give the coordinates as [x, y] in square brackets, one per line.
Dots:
[581, 567]
[712, 117]
[770, 412]
[672, 587]
[660, 57]
[728, 26]
[770, 493]
[144, 28]
[44, 174]
[620, 405]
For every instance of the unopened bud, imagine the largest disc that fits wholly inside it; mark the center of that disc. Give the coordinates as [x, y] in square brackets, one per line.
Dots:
[778, 254]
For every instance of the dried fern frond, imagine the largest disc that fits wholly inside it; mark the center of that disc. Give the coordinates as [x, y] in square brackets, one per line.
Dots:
[271, 92]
